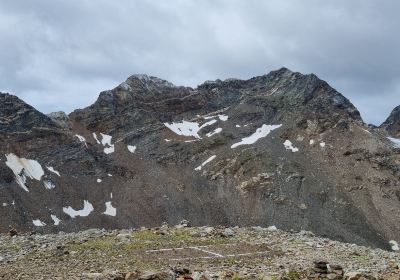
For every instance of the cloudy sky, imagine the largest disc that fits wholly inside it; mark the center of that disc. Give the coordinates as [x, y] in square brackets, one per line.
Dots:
[58, 55]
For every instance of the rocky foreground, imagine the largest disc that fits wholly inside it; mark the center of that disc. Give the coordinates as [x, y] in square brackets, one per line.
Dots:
[183, 252]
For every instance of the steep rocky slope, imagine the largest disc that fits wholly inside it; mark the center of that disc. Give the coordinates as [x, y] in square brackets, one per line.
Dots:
[280, 149]
[392, 123]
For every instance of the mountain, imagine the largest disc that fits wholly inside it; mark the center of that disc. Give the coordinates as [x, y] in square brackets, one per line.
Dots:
[282, 149]
[392, 123]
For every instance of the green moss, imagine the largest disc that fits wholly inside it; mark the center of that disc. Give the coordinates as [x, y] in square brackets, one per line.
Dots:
[236, 277]
[12, 248]
[362, 259]
[292, 275]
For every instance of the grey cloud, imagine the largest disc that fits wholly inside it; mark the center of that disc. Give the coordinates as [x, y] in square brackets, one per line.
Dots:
[58, 55]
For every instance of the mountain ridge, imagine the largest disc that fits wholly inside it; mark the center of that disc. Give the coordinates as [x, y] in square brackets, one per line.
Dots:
[281, 148]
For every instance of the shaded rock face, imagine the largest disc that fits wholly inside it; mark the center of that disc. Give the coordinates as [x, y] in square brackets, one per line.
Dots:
[392, 123]
[281, 149]
[17, 116]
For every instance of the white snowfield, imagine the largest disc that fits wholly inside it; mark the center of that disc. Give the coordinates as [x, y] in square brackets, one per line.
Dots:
[110, 210]
[55, 220]
[186, 128]
[289, 146]
[395, 142]
[132, 149]
[38, 223]
[87, 209]
[261, 132]
[23, 168]
[204, 163]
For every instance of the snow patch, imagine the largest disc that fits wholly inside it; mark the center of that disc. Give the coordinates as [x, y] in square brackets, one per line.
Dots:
[106, 139]
[23, 168]
[99, 180]
[289, 146]
[106, 142]
[80, 137]
[132, 149]
[125, 86]
[394, 245]
[223, 117]
[261, 132]
[216, 131]
[322, 144]
[204, 163]
[189, 141]
[272, 228]
[208, 117]
[109, 150]
[208, 123]
[55, 220]
[95, 138]
[238, 125]
[167, 140]
[38, 223]
[51, 169]
[110, 210]
[87, 209]
[48, 185]
[186, 128]
[311, 142]
[395, 142]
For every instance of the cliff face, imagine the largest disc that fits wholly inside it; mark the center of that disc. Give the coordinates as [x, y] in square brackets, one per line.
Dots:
[280, 149]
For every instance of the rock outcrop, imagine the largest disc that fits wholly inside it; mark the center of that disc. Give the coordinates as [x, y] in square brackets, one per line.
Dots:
[281, 149]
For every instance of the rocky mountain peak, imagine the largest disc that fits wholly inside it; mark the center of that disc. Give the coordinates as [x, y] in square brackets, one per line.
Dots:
[145, 82]
[16, 115]
[392, 123]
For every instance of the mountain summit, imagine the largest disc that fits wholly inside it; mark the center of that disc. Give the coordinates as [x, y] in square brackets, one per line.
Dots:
[282, 149]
